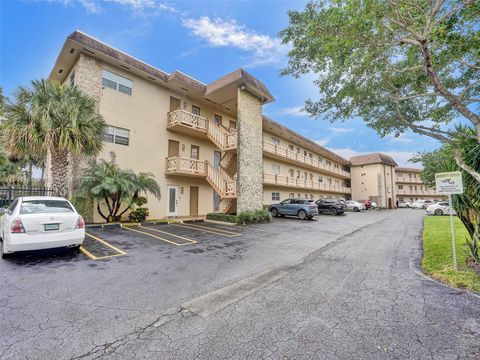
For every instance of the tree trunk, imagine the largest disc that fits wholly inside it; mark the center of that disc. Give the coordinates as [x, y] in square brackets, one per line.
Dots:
[59, 170]
[30, 170]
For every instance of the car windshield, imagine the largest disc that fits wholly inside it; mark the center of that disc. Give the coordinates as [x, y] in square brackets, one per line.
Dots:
[45, 206]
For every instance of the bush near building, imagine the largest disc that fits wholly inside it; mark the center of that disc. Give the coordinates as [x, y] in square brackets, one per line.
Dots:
[437, 253]
[244, 218]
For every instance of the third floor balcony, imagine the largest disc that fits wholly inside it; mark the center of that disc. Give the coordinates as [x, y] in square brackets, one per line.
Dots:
[426, 192]
[286, 155]
[285, 181]
[195, 125]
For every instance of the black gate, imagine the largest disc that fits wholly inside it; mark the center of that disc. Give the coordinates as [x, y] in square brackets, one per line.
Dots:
[10, 193]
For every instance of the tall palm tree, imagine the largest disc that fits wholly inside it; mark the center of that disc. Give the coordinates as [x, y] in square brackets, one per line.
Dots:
[55, 119]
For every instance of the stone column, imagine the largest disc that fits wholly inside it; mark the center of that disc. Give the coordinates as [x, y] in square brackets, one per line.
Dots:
[250, 157]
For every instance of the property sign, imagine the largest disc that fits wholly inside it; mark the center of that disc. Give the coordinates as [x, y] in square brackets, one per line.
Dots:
[449, 183]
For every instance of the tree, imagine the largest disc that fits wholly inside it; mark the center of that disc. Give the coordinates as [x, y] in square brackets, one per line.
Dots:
[55, 119]
[397, 64]
[112, 186]
[466, 205]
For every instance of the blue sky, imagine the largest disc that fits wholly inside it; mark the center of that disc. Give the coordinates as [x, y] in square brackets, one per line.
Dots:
[206, 40]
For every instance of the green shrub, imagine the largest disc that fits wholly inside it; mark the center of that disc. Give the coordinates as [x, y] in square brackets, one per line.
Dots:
[84, 207]
[222, 217]
[138, 215]
[254, 217]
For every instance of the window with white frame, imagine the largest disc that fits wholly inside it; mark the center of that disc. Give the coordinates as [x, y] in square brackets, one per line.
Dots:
[275, 141]
[117, 82]
[116, 135]
[320, 179]
[291, 195]
[400, 187]
[276, 169]
[291, 173]
[275, 196]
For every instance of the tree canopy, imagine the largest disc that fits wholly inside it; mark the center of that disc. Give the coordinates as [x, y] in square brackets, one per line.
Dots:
[396, 64]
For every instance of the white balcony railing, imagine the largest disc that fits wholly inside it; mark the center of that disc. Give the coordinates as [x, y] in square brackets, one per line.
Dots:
[185, 118]
[405, 179]
[299, 157]
[428, 192]
[185, 166]
[283, 180]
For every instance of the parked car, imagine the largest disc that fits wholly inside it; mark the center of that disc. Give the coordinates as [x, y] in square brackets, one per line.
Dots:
[367, 203]
[355, 206]
[374, 205]
[404, 204]
[438, 208]
[40, 222]
[302, 208]
[331, 206]
[421, 204]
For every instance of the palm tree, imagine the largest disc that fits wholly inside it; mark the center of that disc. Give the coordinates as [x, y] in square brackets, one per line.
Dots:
[112, 186]
[55, 119]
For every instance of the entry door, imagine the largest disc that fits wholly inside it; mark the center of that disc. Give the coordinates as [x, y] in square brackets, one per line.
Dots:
[173, 148]
[217, 155]
[193, 200]
[172, 201]
[175, 103]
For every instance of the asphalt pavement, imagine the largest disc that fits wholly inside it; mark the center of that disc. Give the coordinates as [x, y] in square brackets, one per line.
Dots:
[344, 287]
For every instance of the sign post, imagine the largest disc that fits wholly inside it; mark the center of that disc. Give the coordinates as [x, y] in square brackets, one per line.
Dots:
[450, 183]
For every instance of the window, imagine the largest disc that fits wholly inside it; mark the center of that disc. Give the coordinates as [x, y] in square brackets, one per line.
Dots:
[305, 175]
[320, 179]
[116, 135]
[310, 155]
[72, 78]
[45, 207]
[320, 159]
[298, 174]
[400, 187]
[298, 150]
[304, 153]
[290, 147]
[218, 120]
[232, 125]
[194, 152]
[275, 196]
[311, 177]
[291, 195]
[306, 196]
[275, 141]
[329, 162]
[117, 82]
[195, 110]
[311, 196]
[299, 196]
[276, 169]
[291, 173]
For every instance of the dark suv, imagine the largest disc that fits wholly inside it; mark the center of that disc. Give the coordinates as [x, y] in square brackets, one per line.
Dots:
[331, 206]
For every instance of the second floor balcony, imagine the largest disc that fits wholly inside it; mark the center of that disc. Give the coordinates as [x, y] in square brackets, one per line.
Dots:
[282, 180]
[284, 154]
[408, 180]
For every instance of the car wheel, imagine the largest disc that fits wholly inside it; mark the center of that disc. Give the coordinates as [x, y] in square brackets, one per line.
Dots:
[274, 212]
[302, 214]
[356, 209]
[438, 212]
[333, 211]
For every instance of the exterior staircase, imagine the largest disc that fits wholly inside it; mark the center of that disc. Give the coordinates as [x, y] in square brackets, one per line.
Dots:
[224, 185]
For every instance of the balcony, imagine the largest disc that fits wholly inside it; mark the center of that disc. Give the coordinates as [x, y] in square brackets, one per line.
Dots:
[195, 125]
[285, 181]
[428, 192]
[286, 155]
[408, 180]
[186, 167]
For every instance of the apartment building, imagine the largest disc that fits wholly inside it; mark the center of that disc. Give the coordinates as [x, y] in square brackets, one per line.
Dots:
[208, 145]
[410, 187]
[373, 178]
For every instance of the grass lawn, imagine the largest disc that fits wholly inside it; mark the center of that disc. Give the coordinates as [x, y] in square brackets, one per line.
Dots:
[437, 253]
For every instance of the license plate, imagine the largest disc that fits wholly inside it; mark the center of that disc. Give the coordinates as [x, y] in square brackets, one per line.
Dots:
[50, 227]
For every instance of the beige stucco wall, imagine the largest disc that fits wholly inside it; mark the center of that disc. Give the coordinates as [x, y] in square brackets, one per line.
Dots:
[374, 182]
[249, 158]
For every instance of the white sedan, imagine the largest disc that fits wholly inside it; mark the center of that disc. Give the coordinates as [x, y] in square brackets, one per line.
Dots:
[439, 208]
[355, 206]
[40, 222]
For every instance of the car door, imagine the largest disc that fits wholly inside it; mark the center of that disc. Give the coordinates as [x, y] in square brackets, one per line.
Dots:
[283, 207]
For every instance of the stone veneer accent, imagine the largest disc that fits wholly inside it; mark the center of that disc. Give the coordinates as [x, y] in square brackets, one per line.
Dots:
[250, 154]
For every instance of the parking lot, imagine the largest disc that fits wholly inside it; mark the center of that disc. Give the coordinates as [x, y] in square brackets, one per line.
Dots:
[61, 304]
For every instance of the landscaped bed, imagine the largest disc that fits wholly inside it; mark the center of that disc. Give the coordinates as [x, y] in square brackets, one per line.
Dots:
[437, 253]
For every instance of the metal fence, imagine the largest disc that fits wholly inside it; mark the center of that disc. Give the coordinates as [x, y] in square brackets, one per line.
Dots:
[10, 193]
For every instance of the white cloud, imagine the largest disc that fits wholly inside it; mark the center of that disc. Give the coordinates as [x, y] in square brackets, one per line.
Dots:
[340, 129]
[229, 33]
[153, 6]
[402, 138]
[293, 111]
[323, 142]
[401, 157]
